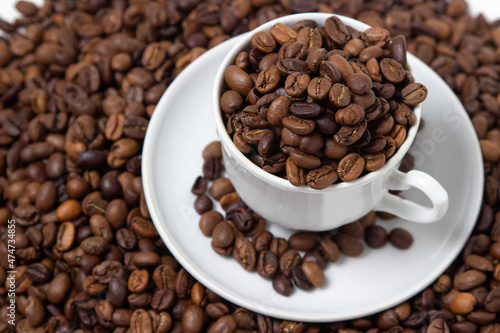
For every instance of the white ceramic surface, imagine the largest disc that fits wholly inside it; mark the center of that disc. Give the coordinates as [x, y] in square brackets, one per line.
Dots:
[446, 148]
[304, 208]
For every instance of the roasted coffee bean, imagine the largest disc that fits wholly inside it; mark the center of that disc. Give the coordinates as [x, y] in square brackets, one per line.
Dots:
[146, 258]
[223, 234]
[244, 253]
[231, 101]
[164, 276]
[342, 65]
[282, 33]
[94, 245]
[348, 244]
[351, 115]
[316, 256]
[348, 135]
[263, 41]
[321, 177]
[267, 264]
[288, 260]
[304, 241]
[69, 210]
[65, 236]
[140, 321]
[354, 47]
[376, 36]
[376, 236]
[400, 238]
[46, 197]
[262, 240]
[59, 288]
[203, 204]
[38, 273]
[138, 280]
[294, 49]
[107, 270]
[305, 161]
[220, 187]
[398, 49]
[242, 219]
[478, 262]
[208, 221]
[351, 167]
[300, 279]
[329, 70]
[313, 273]
[374, 162]
[337, 30]
[326, 123]
[355, 229]
[268, 80]
[289, 66]
[295, 175]
[469, 279]
[319, 87]
[216, 310]
[311, 143]
[135, 127]
[238, 80]
[414, 94]
[392, 70]
[298, 125]
[252, 119]
[403, 115]
[282, 285]
[305, 110]
[212, 150]
[194, 319]
[296, 84]
[371, 52]
[225, 323]
[492, 301]
[267, 143]
[278, 109]
[462, 303]
[359, 83]
[163, 299]
[334, 150]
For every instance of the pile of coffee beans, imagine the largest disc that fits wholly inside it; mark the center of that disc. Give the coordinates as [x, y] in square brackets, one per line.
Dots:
[242, 234]
[81, 81]
[315, 104]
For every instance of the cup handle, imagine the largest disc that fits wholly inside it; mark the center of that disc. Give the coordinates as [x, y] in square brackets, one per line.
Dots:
[410, 210]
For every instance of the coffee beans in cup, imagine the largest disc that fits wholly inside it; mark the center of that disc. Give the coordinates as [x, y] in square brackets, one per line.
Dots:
[320, 104]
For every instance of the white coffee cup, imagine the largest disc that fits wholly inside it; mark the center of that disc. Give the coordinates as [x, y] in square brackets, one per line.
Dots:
[278, 201]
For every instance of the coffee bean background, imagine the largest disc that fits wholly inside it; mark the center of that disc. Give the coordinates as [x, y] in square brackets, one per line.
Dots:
[77, 87]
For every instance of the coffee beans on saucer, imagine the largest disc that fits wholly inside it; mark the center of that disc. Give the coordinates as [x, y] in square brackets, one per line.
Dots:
[320, 104]
[299, 261]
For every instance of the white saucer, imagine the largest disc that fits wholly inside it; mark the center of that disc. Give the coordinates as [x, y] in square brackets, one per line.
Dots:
[446, 148]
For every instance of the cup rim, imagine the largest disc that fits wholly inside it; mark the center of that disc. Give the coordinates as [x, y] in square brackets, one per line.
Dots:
[270, 178]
